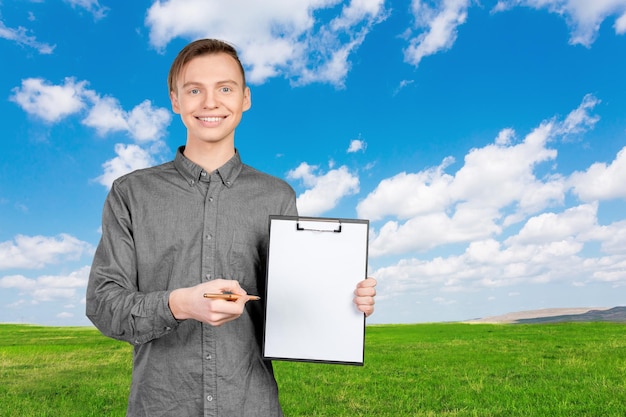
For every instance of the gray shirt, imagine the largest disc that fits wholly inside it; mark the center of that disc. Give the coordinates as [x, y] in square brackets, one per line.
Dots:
[174, 226]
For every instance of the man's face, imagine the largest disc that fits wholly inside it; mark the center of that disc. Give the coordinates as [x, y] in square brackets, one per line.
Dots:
[211, 98]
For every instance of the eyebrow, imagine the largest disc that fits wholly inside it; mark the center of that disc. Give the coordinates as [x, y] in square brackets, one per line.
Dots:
[190, 83]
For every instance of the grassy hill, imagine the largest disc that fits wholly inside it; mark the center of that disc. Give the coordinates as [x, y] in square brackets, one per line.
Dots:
[567, 369]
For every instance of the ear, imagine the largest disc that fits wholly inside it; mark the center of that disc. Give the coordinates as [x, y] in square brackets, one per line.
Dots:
[247, 99]
[174, 100]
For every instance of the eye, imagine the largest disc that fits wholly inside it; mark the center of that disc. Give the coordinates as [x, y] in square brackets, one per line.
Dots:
[194, 91]
[225, 89]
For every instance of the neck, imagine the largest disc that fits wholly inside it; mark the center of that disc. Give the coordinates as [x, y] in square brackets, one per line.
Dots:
[209, 156]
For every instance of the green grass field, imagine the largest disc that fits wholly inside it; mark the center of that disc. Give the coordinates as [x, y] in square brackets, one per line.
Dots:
[575, 369]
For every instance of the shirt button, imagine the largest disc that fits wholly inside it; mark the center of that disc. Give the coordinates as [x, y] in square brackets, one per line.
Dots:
[210, 198]
[208, 237]
[208, 276]
[208, 357]
[203, 174]
[209, 398]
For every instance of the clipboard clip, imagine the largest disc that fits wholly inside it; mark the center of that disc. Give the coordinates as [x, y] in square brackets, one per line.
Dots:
[315, 225]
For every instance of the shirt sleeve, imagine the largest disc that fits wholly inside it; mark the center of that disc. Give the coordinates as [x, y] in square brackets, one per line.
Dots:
[291, 208]
[288, 207]
[114, 303]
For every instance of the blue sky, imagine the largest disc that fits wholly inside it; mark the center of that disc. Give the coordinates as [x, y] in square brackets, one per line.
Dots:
[484, 140]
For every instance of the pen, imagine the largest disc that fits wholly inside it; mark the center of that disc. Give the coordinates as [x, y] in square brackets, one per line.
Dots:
[229, 296]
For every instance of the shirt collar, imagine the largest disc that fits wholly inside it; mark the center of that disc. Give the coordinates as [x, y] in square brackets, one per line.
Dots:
[192, 172]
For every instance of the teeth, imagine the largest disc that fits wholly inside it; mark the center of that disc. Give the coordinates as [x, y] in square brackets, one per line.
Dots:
[210, 119]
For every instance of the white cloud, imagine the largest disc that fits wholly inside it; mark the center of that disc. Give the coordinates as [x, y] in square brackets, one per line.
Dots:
[325, 190]
[21, 37]
[17, 281]
[356, 145]
[407, 195]
[551, 227]
[331, 68]
[601, 181]
[437, 26]
[274, 37]
[620, 24]
[147, 123]
[490, 264]
[129, 158]
[403, 84]
[495, 188]
[38, 251]
[143, 123]
[443, 301]
[612, 238]
[580, 120]
[53, 103]
[505, 137]
[92, 6]
[443, 208]
[50, 102]
[431, 230]
[583, 17]
[68, 287]
[106, 115]
[497, 176]
[76, 279]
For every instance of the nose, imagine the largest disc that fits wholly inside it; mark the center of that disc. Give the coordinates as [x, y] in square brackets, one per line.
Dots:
[210, 101]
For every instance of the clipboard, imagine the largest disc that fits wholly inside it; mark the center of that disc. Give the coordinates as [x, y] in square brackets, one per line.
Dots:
[313, 267]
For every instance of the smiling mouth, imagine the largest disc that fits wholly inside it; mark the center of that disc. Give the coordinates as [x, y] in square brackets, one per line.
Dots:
[211, 119]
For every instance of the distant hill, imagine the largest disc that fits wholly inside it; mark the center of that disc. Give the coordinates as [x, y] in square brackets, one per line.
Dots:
[615, 314]
[559, 315]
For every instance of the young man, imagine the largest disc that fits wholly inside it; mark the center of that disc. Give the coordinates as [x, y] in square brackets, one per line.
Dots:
[195, 225]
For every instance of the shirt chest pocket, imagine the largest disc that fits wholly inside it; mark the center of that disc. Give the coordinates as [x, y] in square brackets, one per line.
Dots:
[244, 261]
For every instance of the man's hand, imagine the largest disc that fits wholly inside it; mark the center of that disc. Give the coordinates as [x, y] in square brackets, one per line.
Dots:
[189, 303]
[364, 295]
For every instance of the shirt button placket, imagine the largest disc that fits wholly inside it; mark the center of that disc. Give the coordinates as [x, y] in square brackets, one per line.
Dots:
[208, 268]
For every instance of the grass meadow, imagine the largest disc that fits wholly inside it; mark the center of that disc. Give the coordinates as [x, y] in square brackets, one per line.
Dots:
[568, 369]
